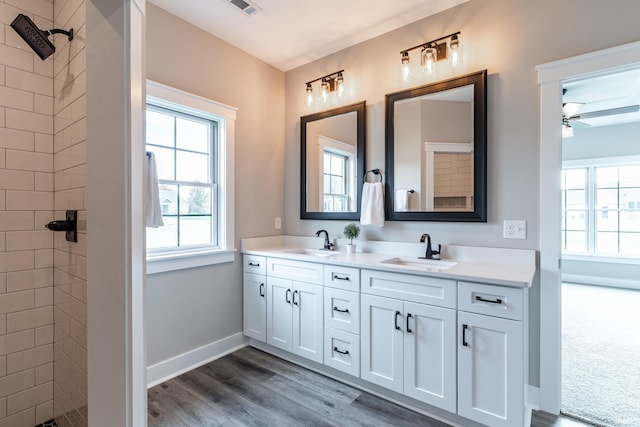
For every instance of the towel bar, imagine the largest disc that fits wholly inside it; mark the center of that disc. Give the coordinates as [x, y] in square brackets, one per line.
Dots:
[375, 172]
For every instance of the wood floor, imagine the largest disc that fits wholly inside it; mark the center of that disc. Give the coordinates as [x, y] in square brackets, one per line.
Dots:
[252, 388]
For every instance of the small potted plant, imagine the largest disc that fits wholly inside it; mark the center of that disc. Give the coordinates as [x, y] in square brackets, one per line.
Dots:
[351, 231]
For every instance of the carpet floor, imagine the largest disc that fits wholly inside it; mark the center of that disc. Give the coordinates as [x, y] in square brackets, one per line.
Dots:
[601, 354]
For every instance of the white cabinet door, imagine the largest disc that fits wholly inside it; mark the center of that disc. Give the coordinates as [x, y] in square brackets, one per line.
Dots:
[430, 355]
[279, 312]
[255, 306]
[381, 341]
[307, 321]
[490, 370]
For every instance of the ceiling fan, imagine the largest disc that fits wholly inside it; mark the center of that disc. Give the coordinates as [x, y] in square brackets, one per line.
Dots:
[570, 112]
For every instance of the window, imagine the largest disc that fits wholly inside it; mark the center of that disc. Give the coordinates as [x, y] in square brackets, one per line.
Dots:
[601, 211]
[335, 177]
[192, 139]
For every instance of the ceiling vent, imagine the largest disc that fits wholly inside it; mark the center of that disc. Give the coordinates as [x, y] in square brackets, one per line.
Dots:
[246, 7]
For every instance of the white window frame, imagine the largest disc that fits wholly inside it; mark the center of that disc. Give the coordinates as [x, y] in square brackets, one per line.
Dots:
[171, 98]
[590, 165]
[349, 152]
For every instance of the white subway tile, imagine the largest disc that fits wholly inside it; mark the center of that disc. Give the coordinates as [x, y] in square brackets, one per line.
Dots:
[2, 67]
[2, 203]
[43, 217]
[43, 104]
[3, 247]
[31, 82]
[43, 68]
[71, 92]
[29, 279]
[29, 319]
[3, 407]
[25, 240]
[29, 398]
[24, 120]
[29, 161]
[16, 139]
[3, 158]
[15, 57]
[44, 412]
[2, 114]
[43, 143]
[19, 341]
[15, 261]
[43, 258]
[44, 181]
[70, 114]
[15, 221]
[16, 180]
[44, 335]
[3, 283]
[12, 302]
[25, 418]
[44, 373]
[16, 98]
[3, 330]
[70, 136]
[29, 200]
[16, 382]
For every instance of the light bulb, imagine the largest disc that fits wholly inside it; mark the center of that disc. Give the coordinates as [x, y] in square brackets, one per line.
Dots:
[309, 95]
[456, 54]
[406, 66]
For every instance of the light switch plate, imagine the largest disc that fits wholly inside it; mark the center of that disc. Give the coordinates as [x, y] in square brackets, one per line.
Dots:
[278, 223]
[513, 229]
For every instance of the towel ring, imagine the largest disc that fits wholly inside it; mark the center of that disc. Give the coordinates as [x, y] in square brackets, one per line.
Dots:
[375, 172]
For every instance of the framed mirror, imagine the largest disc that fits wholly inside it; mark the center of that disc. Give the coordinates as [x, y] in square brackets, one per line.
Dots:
[436, 151]
[332, 163]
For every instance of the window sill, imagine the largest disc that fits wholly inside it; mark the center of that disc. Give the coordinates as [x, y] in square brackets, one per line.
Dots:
[164, 263]
[601, 258]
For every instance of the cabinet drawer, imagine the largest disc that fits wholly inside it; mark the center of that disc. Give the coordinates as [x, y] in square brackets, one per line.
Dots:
[342, 351]
[298, 271]
[254, 264]
[342, 277]
[342, 310]
[492, 300]
[409, 287]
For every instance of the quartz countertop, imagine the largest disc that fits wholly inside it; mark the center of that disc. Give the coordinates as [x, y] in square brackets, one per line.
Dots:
[513, 271]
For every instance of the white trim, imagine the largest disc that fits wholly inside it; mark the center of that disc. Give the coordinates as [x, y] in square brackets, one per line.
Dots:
[180, 261]
[169, 97]
[551, 76]
[533, 398]
[192, 359]
[602, 161]
[430, 149]
[349, 151]
[602, 259]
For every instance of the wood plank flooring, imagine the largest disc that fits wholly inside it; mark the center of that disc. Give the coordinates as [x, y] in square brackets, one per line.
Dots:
[252, 388]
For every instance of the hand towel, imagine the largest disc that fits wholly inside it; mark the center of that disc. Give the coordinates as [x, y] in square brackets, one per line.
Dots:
[402, 200]
[153, 208]
[372, 208]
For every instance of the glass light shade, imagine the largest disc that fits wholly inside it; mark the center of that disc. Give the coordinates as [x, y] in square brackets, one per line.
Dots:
[309, 95]
[455, 51]
[406, 66]
[324, 91]
[429, 59]
[340, 85]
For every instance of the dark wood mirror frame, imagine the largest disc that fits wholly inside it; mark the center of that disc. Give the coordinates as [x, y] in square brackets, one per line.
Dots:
[479, 214]
[360, 109]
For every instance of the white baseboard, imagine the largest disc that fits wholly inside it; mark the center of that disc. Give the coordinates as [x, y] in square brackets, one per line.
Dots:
[177, 365]
[533, 400]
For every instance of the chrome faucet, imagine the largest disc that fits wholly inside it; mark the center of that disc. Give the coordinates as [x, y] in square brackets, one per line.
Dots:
[327, 244]
[430, 254]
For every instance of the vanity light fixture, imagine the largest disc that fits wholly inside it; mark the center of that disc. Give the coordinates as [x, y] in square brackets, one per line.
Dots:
[447, 47]
[330, 84]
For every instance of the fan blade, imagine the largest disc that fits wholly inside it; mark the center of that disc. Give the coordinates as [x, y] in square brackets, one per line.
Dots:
[608, 112]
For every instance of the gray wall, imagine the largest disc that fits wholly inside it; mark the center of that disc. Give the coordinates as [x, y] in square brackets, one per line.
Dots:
[190, 308]
[506, 37]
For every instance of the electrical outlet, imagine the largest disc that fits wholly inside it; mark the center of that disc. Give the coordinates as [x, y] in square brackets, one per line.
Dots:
[278, 223]
[514, 229]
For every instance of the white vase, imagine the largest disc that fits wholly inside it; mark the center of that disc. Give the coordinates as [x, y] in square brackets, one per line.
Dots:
[351, 248]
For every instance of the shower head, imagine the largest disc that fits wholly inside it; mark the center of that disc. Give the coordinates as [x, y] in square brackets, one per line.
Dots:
[35, 37]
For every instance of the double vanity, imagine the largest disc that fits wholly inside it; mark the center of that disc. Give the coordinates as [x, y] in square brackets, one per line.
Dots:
[445, 337]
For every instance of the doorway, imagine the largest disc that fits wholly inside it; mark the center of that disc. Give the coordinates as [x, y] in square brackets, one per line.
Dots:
[552, 77]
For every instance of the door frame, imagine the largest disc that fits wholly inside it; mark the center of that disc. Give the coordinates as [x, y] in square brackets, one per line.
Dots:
[551, 77]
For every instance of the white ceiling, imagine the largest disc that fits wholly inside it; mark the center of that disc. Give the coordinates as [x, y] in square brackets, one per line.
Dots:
[290, 33]
[604, 93]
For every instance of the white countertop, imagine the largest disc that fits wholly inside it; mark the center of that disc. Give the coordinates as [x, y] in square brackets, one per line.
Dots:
[515, 268]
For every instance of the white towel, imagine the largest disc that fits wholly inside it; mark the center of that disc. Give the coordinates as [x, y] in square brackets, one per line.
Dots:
[372, 209]
[153, 208]
[402, 200]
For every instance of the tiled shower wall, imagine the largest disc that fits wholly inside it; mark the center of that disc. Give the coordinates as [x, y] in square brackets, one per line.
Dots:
[42, 173]
[26, 204]
[69, 167]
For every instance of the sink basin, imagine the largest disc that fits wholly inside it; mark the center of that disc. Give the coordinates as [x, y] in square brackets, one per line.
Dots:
[314, 252]
[420, 264]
